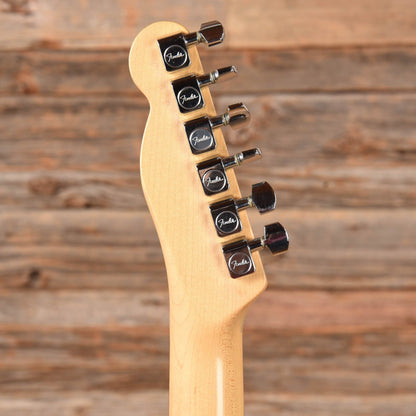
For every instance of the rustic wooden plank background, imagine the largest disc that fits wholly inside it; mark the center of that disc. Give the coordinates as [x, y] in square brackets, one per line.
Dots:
[83, 297]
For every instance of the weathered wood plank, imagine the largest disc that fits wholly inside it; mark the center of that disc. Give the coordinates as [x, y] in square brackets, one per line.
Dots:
[328, 405]
[347, 128]
[92, 24]
[119, 250]
[358, 186]
[335, 128]
[261, 71]
[320, 22]
[324, 150]
[358, 228]
[114, 24]
[58, 189]
[132, 343]
[278, 310]
[120, 120]
[155, 403]
[136, 359]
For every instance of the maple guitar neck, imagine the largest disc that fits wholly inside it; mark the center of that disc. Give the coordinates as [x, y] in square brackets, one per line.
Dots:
[214, 271]
[206, 367]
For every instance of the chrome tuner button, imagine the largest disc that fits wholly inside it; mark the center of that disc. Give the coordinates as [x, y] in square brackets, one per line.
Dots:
[276, 238]
[262, 197]
[236, 116]
[238, 254]
[211, 33]
[216, 167]
[225, 213]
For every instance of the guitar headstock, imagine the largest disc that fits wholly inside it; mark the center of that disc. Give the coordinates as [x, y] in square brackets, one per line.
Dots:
[188, 177]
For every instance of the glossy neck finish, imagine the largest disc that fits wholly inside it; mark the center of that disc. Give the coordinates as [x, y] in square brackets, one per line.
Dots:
[206, 369]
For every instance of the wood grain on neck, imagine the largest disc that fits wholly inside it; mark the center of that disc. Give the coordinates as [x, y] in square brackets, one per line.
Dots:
[207, 307]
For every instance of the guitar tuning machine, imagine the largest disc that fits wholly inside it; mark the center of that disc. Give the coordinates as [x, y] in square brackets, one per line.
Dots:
[225, 213]
[212, 171]
[238, 254]
[174, 48]
[211, 33]
[188, 90]
[199, 131]
[236, 116]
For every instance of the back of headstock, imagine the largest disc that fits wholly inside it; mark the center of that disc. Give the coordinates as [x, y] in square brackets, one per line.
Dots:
[186, 168]
[214, 270]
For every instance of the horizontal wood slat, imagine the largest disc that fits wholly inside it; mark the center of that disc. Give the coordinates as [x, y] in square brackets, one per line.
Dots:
[260, 71]
[320, 150]
[115, 24]
[136, 359]
[364, 310]
[319, 127]
[320, 22]
[92, 24]
[96, 403]
[339, 186]
[120, 250]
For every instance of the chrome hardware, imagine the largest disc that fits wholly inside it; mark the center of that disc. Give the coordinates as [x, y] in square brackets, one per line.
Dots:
[237, 115]
[188, 94]
[188, 90]
[224, 74]
[238, 254]
[199, 131]
[212, 171]
[225, 213]
[214, 181]
[211, 33]
[238, 258]
[174, 48]
[239, 158]
[174, 52]
[275, 239]
[262, 197]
